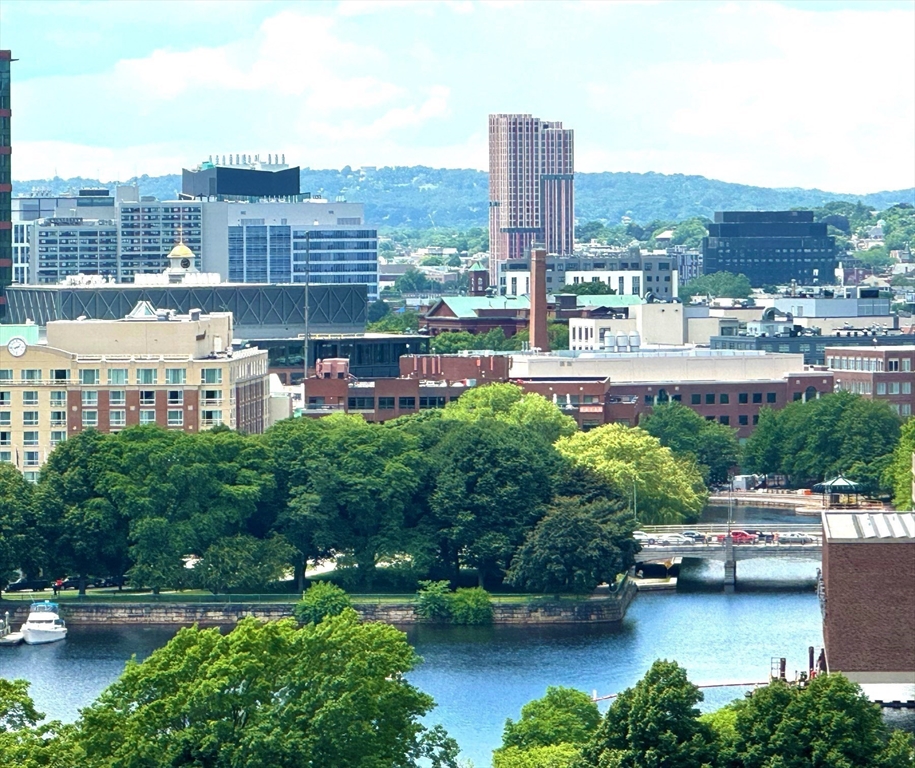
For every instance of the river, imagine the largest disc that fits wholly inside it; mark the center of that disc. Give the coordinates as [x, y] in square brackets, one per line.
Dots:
[479, 676]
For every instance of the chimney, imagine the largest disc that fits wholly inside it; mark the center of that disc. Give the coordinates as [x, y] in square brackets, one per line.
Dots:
[538, 333]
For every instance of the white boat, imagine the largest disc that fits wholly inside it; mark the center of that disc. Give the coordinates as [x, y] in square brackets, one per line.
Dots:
[43, 624]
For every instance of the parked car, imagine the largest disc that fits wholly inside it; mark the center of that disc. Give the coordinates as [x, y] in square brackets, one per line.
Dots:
[644, 538]
[794, 537]
[26, 585]
[674, 540]
[739, 537]
[699, 538]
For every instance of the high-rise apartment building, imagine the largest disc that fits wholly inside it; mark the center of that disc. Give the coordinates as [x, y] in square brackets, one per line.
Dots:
[6, 180]
[531, 187]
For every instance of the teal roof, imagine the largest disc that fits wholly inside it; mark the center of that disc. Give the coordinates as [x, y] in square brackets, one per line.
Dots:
[27, 332]
[610, 300]
[477, 267]
[467, 306]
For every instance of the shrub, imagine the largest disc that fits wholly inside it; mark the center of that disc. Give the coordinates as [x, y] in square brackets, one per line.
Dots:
[319, 601]
[434, 601]
[471, 606]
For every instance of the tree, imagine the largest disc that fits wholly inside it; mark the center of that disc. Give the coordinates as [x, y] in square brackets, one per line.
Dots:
[267, 693]
[241, 562]
[899, 473]
[321, 600]
[591, 288]
[20, 548]
[397, 322]
[556, 756]
[828, 722]
[717, 285]
[684, 431]
[509, 403]
[666, 489]
[25, 741]
[454, 260]
[575, 547]
[413, 281]
[377, 309]
[433, 261]
[562, 716]
[689, 233]
[656, 723]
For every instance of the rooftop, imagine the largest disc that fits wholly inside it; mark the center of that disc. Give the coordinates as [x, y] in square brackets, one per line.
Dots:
[869, 526]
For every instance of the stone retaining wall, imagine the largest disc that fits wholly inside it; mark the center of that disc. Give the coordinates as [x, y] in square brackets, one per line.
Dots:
[604, 609]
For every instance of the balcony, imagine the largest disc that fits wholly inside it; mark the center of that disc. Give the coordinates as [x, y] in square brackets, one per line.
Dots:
[211, 401]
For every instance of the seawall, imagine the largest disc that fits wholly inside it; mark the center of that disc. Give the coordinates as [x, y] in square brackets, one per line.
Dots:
[603, 609]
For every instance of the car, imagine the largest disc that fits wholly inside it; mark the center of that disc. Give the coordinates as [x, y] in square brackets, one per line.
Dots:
[29, 585]
[698, 538]
[675, 540]
[739, 537]
[794, 537]
[644, 538]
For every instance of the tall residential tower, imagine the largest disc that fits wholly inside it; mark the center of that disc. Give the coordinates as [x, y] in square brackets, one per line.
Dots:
[6, 181]
[531, 187]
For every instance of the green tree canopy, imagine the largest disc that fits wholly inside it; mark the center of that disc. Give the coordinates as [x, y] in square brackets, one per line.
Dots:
[396, 322]
[717, 285]
[575, 547]
[668, 489]
[684, 431]
[20, 547]
[377, 309]
[590, 288]
[899, 473]
[321, 600]
[563, 715]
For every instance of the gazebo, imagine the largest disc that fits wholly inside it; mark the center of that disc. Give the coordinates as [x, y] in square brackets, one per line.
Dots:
[838, 492]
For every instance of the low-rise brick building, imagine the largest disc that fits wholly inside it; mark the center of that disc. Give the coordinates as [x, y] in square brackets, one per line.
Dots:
[881, 373]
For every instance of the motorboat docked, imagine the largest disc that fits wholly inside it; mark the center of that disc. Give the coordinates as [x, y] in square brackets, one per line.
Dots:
[43, 624]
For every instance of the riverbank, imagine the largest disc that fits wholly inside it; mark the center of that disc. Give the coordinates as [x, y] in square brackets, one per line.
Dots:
[603, 607]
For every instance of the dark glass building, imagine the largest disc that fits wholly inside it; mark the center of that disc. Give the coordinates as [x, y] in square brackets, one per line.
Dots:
[6, 181]
[222, 181]
[770, 247]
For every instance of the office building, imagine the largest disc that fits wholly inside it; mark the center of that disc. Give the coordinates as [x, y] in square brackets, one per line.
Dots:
[770, 247]
[6, 180]
[881, 373]
[240, 177]
[151, 367]
[149, 229]
[531, 187]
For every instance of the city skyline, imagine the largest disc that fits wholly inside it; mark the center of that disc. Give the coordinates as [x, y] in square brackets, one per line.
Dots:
[779, 94]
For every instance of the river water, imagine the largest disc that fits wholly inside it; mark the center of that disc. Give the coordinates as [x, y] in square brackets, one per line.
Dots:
[479, 676]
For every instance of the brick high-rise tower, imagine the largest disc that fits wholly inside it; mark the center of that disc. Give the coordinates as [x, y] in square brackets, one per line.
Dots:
[531, 187]
[6, 181]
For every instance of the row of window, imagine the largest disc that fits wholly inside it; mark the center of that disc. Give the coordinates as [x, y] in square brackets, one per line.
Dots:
[91, 376]
[30, 438]
[403, 403]
[893, 365]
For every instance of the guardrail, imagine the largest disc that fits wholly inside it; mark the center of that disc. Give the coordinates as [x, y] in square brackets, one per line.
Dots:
[716, 528]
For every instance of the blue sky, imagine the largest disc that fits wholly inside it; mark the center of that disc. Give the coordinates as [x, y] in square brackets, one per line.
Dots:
[802, 93]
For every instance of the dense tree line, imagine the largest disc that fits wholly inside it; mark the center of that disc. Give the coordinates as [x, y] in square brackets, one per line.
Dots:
[499, 482]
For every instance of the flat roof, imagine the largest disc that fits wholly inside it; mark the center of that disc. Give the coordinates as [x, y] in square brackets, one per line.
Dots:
[883, 527]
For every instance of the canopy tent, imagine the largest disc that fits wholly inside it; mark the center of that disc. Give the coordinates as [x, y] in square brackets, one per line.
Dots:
[833, 490]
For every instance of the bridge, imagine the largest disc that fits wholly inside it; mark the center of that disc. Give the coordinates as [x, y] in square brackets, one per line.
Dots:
[729, 552]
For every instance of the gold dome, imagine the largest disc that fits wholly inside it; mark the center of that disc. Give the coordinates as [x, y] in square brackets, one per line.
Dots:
[181, 251]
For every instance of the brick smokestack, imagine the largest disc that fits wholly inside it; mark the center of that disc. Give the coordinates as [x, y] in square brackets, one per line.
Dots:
[538, 332]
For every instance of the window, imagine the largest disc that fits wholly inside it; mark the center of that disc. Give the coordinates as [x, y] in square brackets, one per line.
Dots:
[710, 399]
[176, 418]
[724, 398]
[30, 438]
[770, 397]
[30, 418]
[385, 403]
[58, 436]
[743, 421]
[90, 418]
[58, 399]
[894, 387]
[695, 399]
[147, 416]
[30, 398]
[5, 419]
[724, 420]
[907, 387]
[30, 374]
[212, 397]
[147, 397]
[117, 376]
[881, 387]
[677, 398]
[798, 396]
[60, 374]
[649, 400]
[30, 459]
[6, 374]
[361, 403]
[755, 419]
[211, 418]
[146, 375]
[58, 418]
[6, 399]
[90, 398]
[6, 438]
[905, 409]
[117, 419]
[757, 397]
[175, 397]
[431, 402]
[892, 365]
[117, 397]
[907, 364]
[89, 377]
[211, 376]
[175, 375]
[406, 403]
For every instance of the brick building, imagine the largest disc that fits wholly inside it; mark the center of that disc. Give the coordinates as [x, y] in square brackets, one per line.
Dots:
[152, 367]
[867, 596]
[881, 373]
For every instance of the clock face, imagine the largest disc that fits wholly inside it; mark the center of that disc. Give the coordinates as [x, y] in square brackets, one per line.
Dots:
[185, 263]
[17, 346]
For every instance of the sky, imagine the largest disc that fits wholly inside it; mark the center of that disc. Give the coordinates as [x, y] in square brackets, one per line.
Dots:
[806, 93]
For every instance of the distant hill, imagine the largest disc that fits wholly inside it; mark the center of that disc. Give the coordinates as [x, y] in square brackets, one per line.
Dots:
[420, 197]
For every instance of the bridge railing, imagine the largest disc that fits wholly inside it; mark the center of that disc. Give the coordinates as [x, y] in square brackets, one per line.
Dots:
[812, 529]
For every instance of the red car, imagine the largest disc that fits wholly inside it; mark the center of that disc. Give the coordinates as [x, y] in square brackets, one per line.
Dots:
[740, 537]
